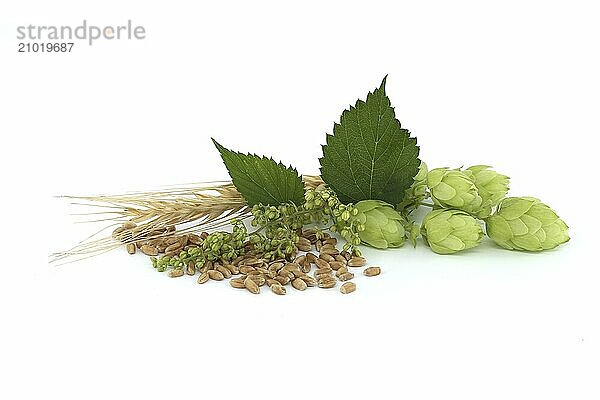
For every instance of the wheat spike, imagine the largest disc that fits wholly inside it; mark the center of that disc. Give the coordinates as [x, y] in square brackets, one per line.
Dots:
[195, 208]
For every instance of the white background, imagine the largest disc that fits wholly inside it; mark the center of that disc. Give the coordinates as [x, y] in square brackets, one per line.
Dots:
[514, 85]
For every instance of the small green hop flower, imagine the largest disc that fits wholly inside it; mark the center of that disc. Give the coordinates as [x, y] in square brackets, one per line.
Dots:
[526, 224]
[450, 231]
[383, 226]
[417, 192]
[491, 186]
[413, 233]
[452, 188]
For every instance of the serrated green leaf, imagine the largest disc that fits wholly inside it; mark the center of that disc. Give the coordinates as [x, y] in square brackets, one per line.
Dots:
[369, 155]
[261, 179]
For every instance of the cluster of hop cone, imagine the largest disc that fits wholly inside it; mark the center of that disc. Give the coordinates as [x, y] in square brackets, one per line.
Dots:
[462, 198]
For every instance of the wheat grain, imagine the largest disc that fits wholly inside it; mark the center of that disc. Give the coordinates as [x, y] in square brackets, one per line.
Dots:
[348, 287]
[357, 262]
[372, 271]
[175, 273]
[203, 278]
[346, 276]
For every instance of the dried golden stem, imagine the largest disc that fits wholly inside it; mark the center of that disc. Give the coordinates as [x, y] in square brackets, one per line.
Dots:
[194, 208]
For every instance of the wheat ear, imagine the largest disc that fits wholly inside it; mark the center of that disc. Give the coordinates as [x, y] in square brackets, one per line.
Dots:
[193, 208]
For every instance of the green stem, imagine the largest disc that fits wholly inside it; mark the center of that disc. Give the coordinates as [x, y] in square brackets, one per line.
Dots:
[426, 204]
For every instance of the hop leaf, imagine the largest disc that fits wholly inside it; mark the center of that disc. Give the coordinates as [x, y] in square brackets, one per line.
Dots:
[369, 156]
[262, 180]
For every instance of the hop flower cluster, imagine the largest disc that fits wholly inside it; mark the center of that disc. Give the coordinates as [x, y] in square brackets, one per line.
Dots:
[216, 246]
[491, 186]
[224, 245]
[449, 231]
[461, 198]
[454, 189]
[276, 236]
[383, 226]
[326, 208]
[349, 225]
[285, 214]
[526, 224]
[278, 225]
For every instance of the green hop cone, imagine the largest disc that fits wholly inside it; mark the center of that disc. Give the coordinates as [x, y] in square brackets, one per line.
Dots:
[491, 186]
[452, 188]
[417, 192]
[450, 231]
[526, 224]
[384, 226]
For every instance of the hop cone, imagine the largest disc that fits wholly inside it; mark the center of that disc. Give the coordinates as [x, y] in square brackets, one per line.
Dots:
[491, 186]
[417, 192]
[383, 226]
[452, 188]
[527, 224]
[450, 231]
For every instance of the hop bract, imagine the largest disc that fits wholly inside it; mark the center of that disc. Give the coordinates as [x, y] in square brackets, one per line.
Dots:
[452, 188]
[383, 226]
[417, 192]
[491, 186]
[450, 231]
[525, 223]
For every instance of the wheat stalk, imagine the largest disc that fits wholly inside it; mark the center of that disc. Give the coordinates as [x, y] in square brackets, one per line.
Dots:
[199, 207]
